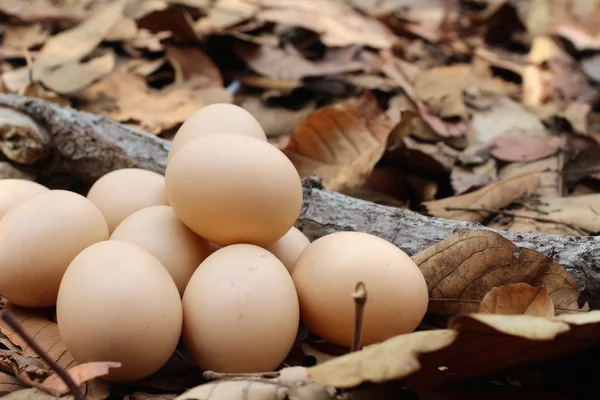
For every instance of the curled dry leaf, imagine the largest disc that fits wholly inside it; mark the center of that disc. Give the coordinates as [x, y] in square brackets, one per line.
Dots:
[516, 299]
[80, 374]
[473, 206]
[437, 357]
[341, 143]
[462, 268]
[22, 139]
[9, 384]
[44, 331]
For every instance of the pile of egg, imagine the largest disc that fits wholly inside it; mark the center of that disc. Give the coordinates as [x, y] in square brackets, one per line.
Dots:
[207, 253]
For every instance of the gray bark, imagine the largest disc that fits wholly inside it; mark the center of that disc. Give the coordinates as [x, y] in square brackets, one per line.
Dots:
[88, 146]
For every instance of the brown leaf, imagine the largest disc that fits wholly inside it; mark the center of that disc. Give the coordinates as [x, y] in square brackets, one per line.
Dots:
[80, 374]
[22, 139]
[462, 268]
[9, 384]
[125, 97]
[175, 20]
[74, 76]
[550, 179]
[277, 121]
[441, 89]
[437, 357]
[337, 23]
[191, 62]
[517, 299]
[226, 13]
[524, 148]
[44, 331]
[286, 64]
[32, 394]
[148, 396]
[73, 44]
[25, 36]
[464, 179]
[341, 143]
[473, 206]
[38, 91]
[40, 11]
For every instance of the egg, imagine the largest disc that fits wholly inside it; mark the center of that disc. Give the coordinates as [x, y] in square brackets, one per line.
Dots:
[240, 311]
[234, 189]
[122, 192]
[14, 191]
[158, 230]
[289, 247]
[216, 119]
[117, 302]
[327, 272]
[38, 240]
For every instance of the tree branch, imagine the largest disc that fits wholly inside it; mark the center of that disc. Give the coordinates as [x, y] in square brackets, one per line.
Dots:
[88, 146]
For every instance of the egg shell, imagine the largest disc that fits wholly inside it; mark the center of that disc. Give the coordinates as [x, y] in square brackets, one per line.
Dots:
[234, 189]
[240, 311]
[289, 247]
[117, 302]
[216, 119]
[327, 272]
[38, 240]
[158, 230]
[122, 192]
[15, 191]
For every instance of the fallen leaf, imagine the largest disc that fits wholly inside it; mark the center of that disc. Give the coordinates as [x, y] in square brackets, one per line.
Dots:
[436, 357]
[226, 13]
[337, 24]
[518, 299]
[464, 179]
[25, 36]
[147, 396]
[505, 117]
[462, 268]
[576, 114]
[175, 20]
[74, 76]
[591, 67]
[277, 121]
[424, 188]
[191, 62]
[550, 182]
[80, 374]
[44, 331]
[524, 148]
[22, 139]
[341, 143]
[75, 43]
[441, 89]
[40, 11]
[525, 222]
[9, 384]
[39, 92]
[33, 393]
[125, 97]
[283, 63]
[473, 206]
[579, 211]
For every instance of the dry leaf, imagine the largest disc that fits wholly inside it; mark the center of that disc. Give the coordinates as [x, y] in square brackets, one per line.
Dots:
[22, 139]
[25, 36]
[80, 374]
[9, 384]
[74, 76]
[44, 331]
[73, 44]
[226, 13]
[337, 24]
[191, 62]
[436, 357]
[518, 299]
[285, 64]
[550, 179]
[441, 89]
[277, 121]
[491, 197]
[462, 268]
[524, 148]
[147, 396]
[39, 11]
[464, 179]
[340, 143]
[125, 97]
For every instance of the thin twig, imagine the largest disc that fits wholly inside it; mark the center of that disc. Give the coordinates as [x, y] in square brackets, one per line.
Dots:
[360, 298]
[516, 215]
[12, 322]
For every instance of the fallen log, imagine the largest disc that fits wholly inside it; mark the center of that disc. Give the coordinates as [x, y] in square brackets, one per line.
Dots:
[53, 139]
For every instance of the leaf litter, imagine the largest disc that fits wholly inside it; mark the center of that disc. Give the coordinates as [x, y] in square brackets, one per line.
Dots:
[481, 113]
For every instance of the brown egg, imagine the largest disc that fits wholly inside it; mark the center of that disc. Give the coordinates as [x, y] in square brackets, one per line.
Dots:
[216, 119]
[326, 274]
[122, 192]
[14, 191]
[38, 240]
[118, 303]
[289, 247]
[158, 230]
[240, 311]
[234, 189]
